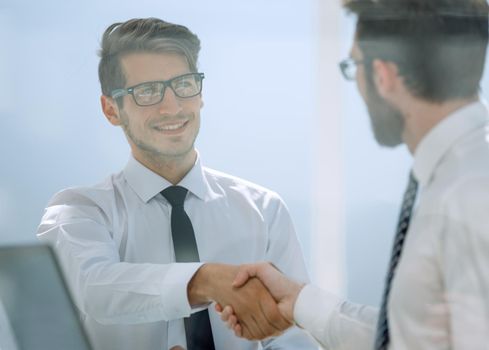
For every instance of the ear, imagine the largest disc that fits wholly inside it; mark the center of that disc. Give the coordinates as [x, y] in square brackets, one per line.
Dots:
[110, 109]
[386, 78]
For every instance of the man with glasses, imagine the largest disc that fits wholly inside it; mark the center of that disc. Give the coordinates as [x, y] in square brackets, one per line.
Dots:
[147, 250]
[418, 66]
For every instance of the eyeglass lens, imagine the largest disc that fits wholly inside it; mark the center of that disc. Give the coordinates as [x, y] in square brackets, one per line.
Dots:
[152, 92]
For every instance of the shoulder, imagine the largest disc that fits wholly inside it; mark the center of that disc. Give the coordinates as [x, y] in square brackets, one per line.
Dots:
[97, 201]
[86, 195]
[459, 199]
[235, 187]
[461, 177]
[467, 196]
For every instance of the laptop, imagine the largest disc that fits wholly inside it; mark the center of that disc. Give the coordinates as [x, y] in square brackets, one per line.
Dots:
[36, 309]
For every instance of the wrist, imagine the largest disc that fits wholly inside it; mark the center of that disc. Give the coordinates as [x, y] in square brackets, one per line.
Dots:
[210, 283]
[198, 288]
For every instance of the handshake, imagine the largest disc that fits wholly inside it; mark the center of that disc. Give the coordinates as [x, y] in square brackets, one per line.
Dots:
[256, 301]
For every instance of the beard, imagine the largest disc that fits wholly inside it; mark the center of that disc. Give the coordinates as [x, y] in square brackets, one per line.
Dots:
[148, 146]
[387, 121]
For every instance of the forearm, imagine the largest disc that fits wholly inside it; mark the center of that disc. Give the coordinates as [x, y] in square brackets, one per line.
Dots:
[111, 291]
[334, 322]
[124, 293]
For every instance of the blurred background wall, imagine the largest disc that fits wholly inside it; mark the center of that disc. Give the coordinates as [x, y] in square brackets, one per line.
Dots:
[277, 112]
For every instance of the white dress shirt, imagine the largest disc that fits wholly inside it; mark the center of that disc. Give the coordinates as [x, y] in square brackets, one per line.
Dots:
[440, 291]
[115, 245]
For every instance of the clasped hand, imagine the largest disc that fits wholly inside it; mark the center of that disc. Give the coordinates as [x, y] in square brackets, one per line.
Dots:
[251, 302]
[275, 297]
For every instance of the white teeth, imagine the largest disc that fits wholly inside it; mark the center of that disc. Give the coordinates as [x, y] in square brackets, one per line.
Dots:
[170, 127]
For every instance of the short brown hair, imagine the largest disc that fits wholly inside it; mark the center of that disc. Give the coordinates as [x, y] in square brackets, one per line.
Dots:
[439, 46]
[142, 35]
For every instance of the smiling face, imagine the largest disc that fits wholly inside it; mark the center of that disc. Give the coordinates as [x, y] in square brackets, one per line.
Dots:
[164, 132]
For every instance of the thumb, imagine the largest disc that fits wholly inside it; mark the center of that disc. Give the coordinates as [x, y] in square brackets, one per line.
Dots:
[244, 274]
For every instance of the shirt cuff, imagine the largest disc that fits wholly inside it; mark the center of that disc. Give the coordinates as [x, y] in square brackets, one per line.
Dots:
[175, 298]
[314, 307]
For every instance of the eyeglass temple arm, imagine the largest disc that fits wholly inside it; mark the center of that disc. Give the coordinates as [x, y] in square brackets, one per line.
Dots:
[119, 93]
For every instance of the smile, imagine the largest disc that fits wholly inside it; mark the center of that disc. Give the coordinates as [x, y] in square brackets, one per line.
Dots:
[171, 127]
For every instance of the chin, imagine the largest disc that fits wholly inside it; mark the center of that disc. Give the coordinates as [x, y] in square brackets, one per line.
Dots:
[177, 153]
[388, 141]
[388, 128]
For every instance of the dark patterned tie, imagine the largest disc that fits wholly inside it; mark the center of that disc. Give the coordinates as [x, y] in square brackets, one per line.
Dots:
[382, 336]
[197, 327]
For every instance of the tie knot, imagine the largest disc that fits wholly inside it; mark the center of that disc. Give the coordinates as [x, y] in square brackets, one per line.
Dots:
[175, 195]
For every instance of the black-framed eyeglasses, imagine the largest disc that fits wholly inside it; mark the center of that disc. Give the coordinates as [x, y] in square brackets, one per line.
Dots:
[349, 67]
[152, 92]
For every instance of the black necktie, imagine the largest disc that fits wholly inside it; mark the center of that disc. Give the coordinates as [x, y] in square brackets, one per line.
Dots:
[382, 336]
[198, 326]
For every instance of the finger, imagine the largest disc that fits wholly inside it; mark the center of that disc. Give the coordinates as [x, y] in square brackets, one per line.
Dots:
[232, 322]
[266, 327]
[218, 307]
[255, 324]
[275, 322]
[247, 333]
[252, 270]
[261, 327]
[226, 313]
[238, 331]
[251, 327]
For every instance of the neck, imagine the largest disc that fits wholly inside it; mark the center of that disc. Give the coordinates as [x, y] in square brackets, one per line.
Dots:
[422, 116]
[171, 168]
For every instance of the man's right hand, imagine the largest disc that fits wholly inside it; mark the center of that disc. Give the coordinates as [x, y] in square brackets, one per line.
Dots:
[283, 290]
[252, 303]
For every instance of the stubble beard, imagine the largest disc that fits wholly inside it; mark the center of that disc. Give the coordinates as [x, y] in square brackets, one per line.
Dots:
[152, 152]
[387, 121]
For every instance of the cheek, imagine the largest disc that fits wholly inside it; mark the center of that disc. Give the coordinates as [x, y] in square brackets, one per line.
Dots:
[197, 119]
[361, 88]
[361, 84]
[192, 108]
[136, 118]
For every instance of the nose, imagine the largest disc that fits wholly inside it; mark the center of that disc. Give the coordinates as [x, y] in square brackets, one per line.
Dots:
[170, 104]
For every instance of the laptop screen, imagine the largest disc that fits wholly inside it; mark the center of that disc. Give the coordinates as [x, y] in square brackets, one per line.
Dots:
[37, 306]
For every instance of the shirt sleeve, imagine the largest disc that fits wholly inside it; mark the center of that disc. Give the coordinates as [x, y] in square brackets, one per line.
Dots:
[103, 287]
[334, 322]
[465, 265]
[285, 253]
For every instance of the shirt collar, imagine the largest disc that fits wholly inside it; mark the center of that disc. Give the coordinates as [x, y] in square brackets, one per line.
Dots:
[443, 136]
[148, 184]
